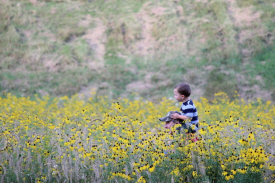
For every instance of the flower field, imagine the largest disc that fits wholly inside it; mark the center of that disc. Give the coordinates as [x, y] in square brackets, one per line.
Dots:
[97, 140]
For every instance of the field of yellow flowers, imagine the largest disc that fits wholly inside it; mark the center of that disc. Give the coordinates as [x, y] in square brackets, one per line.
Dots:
[97, 140]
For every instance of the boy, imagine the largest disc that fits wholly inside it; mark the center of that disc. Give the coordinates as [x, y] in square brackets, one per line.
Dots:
[188, 112]
[181, 93]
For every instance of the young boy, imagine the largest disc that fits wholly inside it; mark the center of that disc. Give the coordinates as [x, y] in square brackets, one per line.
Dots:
[189, 112]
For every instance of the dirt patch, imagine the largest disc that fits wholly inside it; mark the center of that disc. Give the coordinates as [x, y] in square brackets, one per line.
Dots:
[157, 34]
[50, 36]
[202, 1]
[158, 11]
[53, 10]
[246, 52]
[86, 21]
[146, 44]
[197, 92]
[27, 34]
[96, 66]
[249, 29]
[139, 87]
[253, 92]
[34, 2]
[179, 11]
[43, 92]
[245, 16]
[53, 64]
[210, 68]
[151, 81]
[252, 33]
[96, 39]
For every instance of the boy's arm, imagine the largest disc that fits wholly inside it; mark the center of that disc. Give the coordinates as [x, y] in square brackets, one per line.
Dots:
[178, 116]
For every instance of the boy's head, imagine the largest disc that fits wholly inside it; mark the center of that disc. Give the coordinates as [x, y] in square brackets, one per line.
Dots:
[182, 91]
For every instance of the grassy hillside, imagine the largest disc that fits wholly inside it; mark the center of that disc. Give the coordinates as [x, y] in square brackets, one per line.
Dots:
[122, 48]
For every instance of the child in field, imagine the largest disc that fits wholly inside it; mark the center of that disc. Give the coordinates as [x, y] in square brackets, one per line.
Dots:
[188, 111]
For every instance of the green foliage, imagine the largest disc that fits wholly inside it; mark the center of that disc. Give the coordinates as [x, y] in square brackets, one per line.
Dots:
[26, 84]
[165, 41]
[264, 65]
[218, 81]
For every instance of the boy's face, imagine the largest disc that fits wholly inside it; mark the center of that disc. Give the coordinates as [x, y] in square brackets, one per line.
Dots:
[178, 96]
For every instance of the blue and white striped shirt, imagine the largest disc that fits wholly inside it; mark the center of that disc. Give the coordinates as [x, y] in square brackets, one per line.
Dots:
[188, 109]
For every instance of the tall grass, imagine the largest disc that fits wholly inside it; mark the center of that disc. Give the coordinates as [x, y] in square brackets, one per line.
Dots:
[263, 65]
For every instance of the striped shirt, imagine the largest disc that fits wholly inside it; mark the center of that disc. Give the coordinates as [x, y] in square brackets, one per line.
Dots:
[188, 109]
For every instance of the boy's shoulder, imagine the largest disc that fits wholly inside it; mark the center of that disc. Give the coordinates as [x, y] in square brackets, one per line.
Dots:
[188, 102]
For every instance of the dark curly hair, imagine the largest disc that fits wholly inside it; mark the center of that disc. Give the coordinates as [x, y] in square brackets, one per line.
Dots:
[184, 89]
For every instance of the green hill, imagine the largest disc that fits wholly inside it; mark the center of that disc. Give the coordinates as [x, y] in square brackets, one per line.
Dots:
[121, 48]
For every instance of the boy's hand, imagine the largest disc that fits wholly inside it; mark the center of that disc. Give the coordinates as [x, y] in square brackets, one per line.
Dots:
[176, 116]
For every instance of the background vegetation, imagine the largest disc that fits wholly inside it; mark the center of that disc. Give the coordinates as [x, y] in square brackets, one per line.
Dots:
[121, 47]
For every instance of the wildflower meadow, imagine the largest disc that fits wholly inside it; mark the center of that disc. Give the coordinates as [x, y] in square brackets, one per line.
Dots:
[69, 139]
